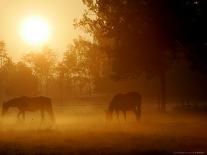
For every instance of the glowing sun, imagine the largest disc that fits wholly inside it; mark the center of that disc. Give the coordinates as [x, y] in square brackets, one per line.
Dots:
[35, 30]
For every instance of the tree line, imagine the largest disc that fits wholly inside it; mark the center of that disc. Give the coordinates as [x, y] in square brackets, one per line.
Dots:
[42, 72]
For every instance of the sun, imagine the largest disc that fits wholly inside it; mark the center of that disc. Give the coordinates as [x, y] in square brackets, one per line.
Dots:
[35, 30]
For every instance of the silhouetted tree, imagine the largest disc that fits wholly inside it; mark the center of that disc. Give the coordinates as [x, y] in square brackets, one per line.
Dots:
[83, 64]
[191, 16]
[5, 63]
[135, 35]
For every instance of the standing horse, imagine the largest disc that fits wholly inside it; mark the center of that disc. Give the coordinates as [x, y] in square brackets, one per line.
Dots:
[125, 102]
[24, 104]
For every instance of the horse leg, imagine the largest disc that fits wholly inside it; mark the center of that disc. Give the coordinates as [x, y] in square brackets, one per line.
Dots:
[42, 115]
[117, 113]
[23, 115]
[50, 112]
[124, 113]
[137, 114]
[18, 115]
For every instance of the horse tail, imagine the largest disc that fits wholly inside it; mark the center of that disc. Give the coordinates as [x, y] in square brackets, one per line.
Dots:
[52, 114]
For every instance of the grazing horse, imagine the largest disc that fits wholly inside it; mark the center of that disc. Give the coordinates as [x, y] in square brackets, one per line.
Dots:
[24, 104]
[125, 102]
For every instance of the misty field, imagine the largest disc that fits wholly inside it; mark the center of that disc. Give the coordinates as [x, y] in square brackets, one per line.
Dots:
[81, 128]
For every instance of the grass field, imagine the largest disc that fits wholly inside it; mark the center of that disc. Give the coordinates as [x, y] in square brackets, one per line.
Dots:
[82, 129]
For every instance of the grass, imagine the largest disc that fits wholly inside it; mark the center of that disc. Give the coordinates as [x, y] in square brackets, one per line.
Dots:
[84, 130]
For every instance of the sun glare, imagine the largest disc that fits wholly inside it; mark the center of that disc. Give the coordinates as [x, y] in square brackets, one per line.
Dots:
[35, 30]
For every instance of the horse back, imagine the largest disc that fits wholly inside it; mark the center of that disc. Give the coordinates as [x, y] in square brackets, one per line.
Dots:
[133, 98]
[41, 102]
[128, 101]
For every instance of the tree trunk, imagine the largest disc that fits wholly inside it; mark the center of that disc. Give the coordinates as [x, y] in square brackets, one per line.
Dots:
[162, 105]
[61, 87]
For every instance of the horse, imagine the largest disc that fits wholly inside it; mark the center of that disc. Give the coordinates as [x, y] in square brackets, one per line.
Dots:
[32, 104]
[125, 102]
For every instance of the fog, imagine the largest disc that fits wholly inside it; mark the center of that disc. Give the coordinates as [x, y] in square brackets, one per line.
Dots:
[82, 127]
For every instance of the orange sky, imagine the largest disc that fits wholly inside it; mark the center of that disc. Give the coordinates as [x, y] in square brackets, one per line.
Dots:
[59, 13]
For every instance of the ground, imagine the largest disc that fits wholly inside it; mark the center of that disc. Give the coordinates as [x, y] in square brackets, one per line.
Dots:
[83, 129]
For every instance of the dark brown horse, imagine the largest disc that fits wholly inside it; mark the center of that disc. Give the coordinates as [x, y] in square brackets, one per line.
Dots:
[24, 104]
[125, 102]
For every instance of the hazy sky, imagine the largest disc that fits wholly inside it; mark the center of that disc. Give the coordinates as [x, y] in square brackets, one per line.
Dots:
[59, 14]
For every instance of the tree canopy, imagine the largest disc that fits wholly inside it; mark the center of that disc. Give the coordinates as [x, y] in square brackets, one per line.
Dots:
[142, 36]
[137, 31]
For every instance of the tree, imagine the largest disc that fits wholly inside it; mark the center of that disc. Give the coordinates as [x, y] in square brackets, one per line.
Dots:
[83, 64]
[5, 64]
[191, 16]
[43, 66]
[3, 55]
[135, 35]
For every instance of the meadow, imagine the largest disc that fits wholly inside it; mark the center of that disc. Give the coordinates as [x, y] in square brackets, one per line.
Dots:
[81, 128]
